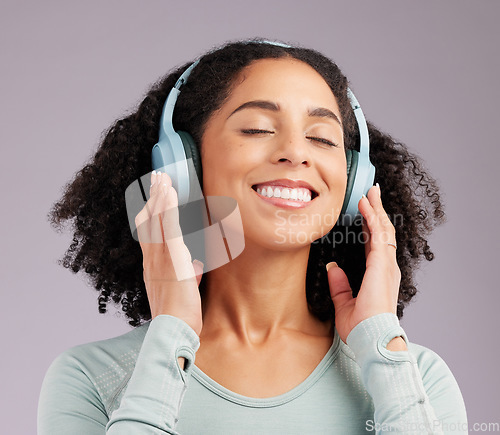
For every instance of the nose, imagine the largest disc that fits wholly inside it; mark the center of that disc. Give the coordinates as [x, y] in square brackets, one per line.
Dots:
[292, 148]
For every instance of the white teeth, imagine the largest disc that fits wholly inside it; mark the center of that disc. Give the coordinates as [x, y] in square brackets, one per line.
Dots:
[297, 194]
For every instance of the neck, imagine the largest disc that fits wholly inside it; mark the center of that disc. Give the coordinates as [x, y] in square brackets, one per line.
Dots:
[258, 296]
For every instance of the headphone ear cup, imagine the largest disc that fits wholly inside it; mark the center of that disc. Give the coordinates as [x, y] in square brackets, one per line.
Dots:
[348, 157]
[192, 152]
[352, 157]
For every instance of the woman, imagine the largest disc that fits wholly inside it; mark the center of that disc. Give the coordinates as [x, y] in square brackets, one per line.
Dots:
[281, 345]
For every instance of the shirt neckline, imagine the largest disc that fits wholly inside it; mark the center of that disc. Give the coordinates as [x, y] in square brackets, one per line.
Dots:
[267, 402]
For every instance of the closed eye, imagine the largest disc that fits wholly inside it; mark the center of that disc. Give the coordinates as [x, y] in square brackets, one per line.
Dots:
[322, 140]
[316, 139]
[256, 131]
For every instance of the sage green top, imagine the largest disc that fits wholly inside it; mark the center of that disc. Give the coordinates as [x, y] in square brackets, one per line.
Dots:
[132, 384]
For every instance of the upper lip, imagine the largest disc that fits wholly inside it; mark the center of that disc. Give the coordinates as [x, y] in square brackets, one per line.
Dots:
[285, 182]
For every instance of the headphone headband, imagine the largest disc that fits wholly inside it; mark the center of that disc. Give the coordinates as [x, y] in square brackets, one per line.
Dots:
[364, 145]
[173, 150]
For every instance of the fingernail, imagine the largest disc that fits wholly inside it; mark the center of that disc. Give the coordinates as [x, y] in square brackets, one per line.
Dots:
[158, 177]
[363, 196]
[378, 185]
[330, 265]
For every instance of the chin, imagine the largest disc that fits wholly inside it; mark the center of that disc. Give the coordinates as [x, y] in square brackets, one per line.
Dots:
[284, 238]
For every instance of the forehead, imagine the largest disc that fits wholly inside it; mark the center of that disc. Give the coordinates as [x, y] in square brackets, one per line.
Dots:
[281, 79]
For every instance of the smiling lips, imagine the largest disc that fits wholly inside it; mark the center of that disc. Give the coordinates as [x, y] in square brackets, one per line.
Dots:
[296, 191]
[299, 194]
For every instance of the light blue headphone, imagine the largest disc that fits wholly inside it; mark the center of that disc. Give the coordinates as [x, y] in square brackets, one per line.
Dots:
[178, 147]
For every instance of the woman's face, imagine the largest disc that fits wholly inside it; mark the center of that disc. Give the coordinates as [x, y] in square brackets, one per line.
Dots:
[276, 146]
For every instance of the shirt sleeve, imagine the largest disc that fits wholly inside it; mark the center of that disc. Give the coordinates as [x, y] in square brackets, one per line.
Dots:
[406, 399]
[70, 403]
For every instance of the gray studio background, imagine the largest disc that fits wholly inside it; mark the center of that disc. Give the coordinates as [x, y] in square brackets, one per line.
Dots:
[424, 71]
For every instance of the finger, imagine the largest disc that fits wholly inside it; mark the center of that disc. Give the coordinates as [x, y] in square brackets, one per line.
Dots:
[366, 237]
[340, 289]
[159, 203]
[154, 183]
[198, 270]
[156, 202]
[158, 180]
[174, 241]
[375, 198]
[161, 182]
[170, 213]
[165, 180]
[142, 224]
[370, 217]
[380, 233]
[144, 218]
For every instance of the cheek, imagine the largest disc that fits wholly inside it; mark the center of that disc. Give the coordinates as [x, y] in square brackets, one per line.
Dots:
[335, 172]
[226, 162]
[337, 182]
[221, 169]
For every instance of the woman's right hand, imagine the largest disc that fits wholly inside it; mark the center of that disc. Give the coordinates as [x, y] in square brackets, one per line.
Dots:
[167, 264]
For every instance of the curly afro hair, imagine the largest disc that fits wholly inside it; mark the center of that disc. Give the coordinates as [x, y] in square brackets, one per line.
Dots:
[94, 200]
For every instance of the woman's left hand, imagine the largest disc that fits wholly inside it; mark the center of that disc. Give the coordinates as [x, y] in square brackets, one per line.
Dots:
[380, 286]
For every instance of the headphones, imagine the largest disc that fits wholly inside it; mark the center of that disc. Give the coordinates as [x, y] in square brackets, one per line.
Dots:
[177, 147]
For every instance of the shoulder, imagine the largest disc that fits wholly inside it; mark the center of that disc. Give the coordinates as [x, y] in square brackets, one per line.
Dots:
[97, 355]
[439, 382]
[431, 366]
[98, 370]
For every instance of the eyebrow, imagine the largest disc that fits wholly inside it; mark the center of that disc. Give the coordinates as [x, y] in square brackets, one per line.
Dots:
[324, 113]
[320, 112]
[259, 104]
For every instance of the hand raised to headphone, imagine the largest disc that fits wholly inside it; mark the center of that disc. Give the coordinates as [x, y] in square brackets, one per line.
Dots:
[380, 286]
[170, 276]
